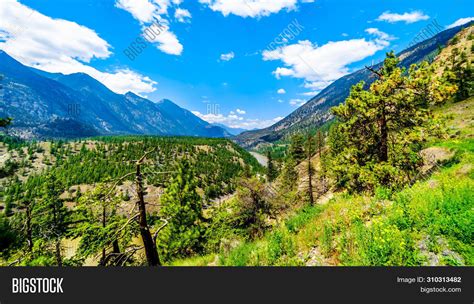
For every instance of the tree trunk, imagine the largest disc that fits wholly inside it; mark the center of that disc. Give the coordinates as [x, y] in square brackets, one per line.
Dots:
[115, 247]
[383, 149]
[29, 232]
[102, 260]
[322, 173]
[310, 182]
[150, 246]
[59, 259]
[320, 144]
[310, 172]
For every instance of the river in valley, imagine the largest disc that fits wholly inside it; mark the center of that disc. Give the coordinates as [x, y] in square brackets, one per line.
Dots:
[262, 159]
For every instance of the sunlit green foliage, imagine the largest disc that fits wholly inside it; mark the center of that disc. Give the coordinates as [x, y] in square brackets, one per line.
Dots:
[381, 130]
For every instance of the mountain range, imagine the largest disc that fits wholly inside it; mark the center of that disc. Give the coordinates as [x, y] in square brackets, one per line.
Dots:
[316, 111]
[53, 105]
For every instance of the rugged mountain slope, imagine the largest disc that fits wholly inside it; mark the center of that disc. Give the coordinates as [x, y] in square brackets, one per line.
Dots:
[56, 105]
[316, 111]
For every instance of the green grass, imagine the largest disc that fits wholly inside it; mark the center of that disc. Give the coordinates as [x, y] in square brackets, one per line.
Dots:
[277, 248]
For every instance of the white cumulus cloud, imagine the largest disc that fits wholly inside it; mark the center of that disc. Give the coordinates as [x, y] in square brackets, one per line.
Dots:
[321, 65]
[142, 10]
[182, 15]
[61, 46]
[382, 38]
[408, 17]
[148, 12]
[281, 91]
[233, 120]
[460, 21]
[227, 56]
[251, 8]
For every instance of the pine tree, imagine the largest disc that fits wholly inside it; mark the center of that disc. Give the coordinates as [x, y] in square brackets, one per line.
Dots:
[182, 206]
[461, 74]
[310, 168]
[51, 216]
[296, 150]
[149, 242]
[26, 203]
[253, 206]
[100, 224]
[272, 172]
[380, 130]
[289, 175]
[322, 160]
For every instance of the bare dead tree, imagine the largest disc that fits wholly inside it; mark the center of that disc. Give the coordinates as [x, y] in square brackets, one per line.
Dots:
[149, 243]
[29, 230]
[377, 73]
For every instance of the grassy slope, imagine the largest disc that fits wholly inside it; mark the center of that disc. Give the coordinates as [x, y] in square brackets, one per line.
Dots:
[429, 223]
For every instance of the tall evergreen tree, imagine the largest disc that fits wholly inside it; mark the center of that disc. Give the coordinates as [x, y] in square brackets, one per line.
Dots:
[380, 130]
[461, 73]
[149, 242]
[272, 171]
[310, 168]
[296, 149]
[322, 160]
[100, 226]
[51, 216]
[289, 175]
[182, 207]
[26, 203]
[254, 206]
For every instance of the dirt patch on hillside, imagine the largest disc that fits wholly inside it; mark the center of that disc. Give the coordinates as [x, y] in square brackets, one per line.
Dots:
[433, 156]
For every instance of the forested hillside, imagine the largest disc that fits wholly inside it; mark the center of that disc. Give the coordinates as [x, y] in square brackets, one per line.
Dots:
[389, 182]
[52, 192]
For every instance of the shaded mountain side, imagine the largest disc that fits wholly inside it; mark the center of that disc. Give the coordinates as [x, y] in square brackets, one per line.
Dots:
[315, 112]
[54, 105]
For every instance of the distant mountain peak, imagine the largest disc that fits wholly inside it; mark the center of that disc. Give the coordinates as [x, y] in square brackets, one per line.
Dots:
[78, 105]
[132, 95]
[167, 101]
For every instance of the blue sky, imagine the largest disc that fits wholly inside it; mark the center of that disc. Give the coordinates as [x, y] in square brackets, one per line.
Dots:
[244, 63]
